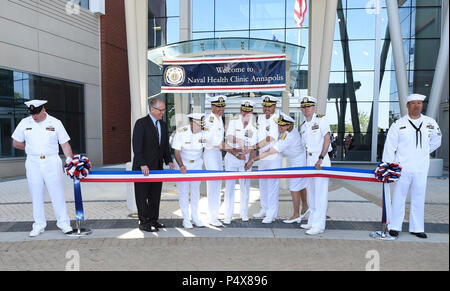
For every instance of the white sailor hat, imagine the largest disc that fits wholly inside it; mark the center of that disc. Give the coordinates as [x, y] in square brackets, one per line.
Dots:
[218, 100]
[247, 105]
[285, 119]
[197, 118]
[307, 101]
[35, 106]
[415, 97]
[269, 100]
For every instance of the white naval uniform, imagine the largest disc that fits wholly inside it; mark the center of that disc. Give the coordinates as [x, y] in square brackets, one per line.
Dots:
[291, 147]
[44, 167]
[413, 155]
[312, 133]
[213, 161]
[249, 135]
[191, 147]
[269, 188]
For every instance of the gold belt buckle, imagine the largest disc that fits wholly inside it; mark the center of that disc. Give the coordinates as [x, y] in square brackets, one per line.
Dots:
[191, 161]
[42, 157]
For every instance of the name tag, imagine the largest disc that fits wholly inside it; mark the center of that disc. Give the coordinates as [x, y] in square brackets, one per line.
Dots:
[403, 127]
[50, 129]
[28, 128]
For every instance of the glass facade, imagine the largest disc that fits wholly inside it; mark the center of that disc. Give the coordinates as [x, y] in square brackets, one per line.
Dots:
[352, 77]
[354, 84]
[65, 102]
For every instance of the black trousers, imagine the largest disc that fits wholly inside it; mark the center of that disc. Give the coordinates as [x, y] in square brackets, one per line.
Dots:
[148, 197]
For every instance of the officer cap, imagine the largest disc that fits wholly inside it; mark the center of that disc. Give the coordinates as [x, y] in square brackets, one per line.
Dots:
[197, 118]
[415, 97]
[307, 101]
[218, 100]
[285, 119]
[247, 105]
[35, 106]
[269, 100]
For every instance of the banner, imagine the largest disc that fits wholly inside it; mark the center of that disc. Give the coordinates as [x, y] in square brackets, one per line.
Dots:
[224, 74]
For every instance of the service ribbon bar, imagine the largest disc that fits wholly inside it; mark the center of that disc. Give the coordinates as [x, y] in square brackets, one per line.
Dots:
[224, 74]
[203, 175]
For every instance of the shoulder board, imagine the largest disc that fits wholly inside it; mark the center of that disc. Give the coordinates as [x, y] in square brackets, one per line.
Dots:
[283, 136]
[183, 129]
[235, 117]
[320, 115]
[205, 129]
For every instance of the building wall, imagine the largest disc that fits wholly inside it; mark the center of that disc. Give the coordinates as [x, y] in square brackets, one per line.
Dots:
[40, 37]
[116, 108]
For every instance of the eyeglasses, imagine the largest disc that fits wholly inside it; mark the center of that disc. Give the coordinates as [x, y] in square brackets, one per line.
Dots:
[160, 110]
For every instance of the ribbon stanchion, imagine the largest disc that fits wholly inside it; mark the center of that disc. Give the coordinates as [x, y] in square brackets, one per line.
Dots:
[78, 168]
[386, 173]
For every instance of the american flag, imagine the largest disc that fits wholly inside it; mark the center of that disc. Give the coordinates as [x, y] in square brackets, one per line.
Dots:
[300, 11]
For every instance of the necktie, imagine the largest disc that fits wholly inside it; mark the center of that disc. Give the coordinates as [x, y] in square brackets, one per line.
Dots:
[157, 132]
[418, 133]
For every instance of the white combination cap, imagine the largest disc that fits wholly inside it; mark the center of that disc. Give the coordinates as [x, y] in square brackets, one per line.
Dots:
[285, 119]
[247, 105]
[218, 100]
[35, 106]
[307, 101]
[269, 100]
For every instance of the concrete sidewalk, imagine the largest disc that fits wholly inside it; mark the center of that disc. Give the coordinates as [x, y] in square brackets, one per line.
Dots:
[353, 212]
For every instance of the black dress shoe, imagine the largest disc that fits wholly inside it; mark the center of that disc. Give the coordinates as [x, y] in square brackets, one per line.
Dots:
[149, 228]
[159, 225]
[420, 234]
[393, 233]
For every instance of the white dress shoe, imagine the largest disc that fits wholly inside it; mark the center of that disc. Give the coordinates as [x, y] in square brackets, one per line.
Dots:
[36, 232]
[305, 226]
[66, 229]
[198, 223]
[215, 222]
[227, 221]
[267, 220]
[244, 218]
[260, 214]
[298, 220]
[187, 224]
[314, 231]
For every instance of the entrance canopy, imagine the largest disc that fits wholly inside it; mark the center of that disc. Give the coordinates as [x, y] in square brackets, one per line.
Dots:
[233, 47]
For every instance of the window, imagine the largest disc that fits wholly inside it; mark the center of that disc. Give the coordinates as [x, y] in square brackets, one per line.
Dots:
[65, 102]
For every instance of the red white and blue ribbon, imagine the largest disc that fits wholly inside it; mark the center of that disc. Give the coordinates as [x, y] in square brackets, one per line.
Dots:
[204, 175]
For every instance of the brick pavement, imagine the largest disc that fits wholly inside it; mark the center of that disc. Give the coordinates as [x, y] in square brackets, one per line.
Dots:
[225, 254]
[354, 208]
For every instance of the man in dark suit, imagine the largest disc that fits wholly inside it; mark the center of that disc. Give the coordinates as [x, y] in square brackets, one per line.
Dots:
[151, 148]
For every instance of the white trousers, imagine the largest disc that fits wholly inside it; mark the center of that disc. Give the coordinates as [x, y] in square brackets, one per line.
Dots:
[233, 164]
[184, 188]
[318, 194]
[48, 172]
[269, 189]
[213, 162]
[192, 188]
[416, 184]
